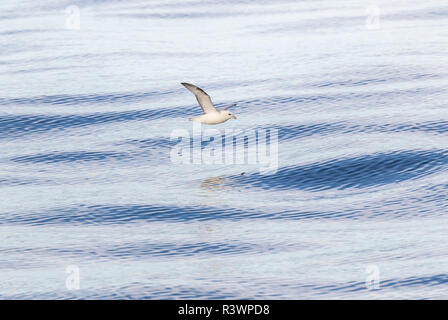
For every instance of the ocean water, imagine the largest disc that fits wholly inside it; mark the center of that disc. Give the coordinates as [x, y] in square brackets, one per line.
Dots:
[92, 207]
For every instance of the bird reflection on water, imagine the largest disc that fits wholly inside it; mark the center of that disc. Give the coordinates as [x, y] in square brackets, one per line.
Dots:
[214, 183]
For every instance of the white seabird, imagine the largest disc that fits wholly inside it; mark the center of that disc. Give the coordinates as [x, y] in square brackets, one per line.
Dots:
[211, 114]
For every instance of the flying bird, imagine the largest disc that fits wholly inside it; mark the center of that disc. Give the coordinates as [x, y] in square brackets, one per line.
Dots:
[211, 114]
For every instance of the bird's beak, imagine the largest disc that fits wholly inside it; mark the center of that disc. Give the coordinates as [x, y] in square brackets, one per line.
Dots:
[233, 117]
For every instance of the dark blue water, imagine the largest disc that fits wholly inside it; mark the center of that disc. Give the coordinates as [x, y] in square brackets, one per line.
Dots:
[358, 98]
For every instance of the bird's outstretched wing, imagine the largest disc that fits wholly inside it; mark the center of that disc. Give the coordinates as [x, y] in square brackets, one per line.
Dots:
[203, 98]
[229, 106]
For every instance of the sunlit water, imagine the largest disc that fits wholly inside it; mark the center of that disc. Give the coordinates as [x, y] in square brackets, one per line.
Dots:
[360, 105]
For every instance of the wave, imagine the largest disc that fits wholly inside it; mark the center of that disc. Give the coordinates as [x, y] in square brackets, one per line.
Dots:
[357, 172]
[119, 214]
[72, 156]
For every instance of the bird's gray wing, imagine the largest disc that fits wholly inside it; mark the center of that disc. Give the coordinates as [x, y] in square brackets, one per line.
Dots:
[203, 98]
[229, 106]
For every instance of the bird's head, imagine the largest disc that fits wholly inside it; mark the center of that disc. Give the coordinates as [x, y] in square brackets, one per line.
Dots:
[228, 114]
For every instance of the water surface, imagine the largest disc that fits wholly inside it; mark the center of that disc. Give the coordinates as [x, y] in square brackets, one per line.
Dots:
[86, 178]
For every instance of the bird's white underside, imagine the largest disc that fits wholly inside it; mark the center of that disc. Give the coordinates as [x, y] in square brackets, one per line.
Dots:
[211, 118]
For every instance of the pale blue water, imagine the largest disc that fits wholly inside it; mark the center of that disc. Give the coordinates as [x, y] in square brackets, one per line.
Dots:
[86, 178]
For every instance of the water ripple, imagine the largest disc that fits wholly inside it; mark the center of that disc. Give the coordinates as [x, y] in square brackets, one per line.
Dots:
[71, 156]
[115, 214]
[357, 172]
[80, 99]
